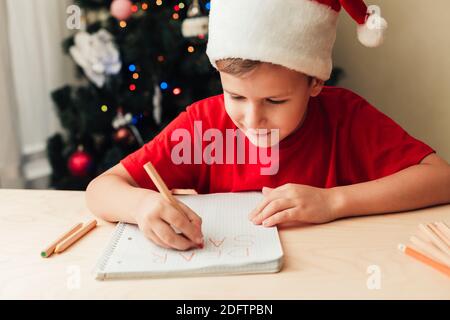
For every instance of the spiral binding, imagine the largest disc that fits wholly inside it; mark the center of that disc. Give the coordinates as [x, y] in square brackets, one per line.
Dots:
[111, 246]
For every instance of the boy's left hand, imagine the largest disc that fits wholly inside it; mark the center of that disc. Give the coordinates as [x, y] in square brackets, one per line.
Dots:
[294, 202]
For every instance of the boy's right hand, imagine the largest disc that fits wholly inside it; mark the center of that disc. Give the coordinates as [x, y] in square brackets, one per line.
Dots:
[155, 217]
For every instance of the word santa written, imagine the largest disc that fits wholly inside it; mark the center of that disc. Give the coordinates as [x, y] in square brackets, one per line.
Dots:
[238, 247]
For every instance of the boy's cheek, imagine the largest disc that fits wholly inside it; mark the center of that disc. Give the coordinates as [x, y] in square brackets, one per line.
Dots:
[233, 113]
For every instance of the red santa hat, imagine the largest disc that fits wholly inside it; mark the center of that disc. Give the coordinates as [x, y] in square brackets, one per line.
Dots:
[297, 34]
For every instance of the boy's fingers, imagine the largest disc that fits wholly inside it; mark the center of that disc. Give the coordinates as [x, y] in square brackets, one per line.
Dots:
[180, 221]
[268, 197]
[152, 236]
[195, 218]
[167, 235]
[280, 217]
[273, 207]
[266, 190]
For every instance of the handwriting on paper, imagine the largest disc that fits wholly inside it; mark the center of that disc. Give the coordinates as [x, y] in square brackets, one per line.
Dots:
[236, 247]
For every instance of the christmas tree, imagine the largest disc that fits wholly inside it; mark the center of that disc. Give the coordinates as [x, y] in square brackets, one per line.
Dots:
[141, 63]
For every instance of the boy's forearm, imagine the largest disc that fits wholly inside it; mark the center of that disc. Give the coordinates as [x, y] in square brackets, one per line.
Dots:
[113, 199]
[414, 187]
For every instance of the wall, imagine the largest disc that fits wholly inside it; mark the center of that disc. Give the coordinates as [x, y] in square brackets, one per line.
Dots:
[408, 77]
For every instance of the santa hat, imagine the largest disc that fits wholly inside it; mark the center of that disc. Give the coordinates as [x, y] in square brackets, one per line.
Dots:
[297, 34]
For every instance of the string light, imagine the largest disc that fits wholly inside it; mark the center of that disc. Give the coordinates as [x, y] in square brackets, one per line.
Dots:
[201, 36]
[122, 24]
[176, 91]
[160, 58]
[176, 7]
[190, 49]
[132, 87]
[181, 5]
[134, 8]
[158, 2]
[175, 16]
[144, 6]
[208, 5]
[163, 85]
[135, 75]
[104, 108]
[132, 67]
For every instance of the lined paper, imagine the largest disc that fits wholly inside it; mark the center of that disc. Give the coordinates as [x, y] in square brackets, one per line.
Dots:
[233, 244]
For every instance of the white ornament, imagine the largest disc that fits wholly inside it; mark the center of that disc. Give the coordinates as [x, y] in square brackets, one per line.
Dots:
[97, 55]
[122, 120]
[193, 27]
[195, 24]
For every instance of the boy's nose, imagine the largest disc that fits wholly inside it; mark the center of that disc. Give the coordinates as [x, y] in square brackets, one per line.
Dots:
[254, 117]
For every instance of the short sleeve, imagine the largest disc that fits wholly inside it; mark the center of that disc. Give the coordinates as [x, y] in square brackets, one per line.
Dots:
[376, 145]
[158, 151]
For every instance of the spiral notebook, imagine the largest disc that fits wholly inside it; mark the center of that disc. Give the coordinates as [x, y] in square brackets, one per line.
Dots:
[233, 244]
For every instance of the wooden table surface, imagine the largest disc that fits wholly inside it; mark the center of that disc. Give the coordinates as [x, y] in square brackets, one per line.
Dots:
[332, 261]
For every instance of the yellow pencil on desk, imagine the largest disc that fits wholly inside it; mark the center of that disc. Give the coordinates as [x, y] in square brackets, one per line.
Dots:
[76, 236]
[47, 252]
[68, 238]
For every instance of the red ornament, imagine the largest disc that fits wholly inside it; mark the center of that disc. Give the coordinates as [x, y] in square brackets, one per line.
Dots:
[80, 163]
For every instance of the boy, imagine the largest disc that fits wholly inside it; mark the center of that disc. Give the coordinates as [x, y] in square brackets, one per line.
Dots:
[336, 156]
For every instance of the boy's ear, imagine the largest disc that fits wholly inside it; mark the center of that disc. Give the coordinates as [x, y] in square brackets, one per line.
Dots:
[316, 87]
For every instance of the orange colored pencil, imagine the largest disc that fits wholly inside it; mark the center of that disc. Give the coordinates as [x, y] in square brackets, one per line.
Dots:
[165, 192]
[76, 236]
[161, 186]
[423, 258]
[47, 252]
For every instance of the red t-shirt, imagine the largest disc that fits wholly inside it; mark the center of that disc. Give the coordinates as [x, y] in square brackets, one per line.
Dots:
[343, 140]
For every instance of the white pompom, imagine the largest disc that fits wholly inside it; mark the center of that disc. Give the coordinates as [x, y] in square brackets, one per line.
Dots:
[371, 33]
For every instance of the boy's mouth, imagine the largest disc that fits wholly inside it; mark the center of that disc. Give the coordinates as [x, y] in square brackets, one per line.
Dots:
[260, 134]
[261, 137]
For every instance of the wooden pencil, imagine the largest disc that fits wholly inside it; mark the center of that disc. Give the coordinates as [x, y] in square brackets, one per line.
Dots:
[424, 259]
[439, 234]
[430, 250]
[47, 252]
[165, 192]
[435, 239]
[162, 188]
[76, 236]
[444, 229]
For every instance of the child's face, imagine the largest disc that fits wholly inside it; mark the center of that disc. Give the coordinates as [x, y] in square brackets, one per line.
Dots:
[268, 97]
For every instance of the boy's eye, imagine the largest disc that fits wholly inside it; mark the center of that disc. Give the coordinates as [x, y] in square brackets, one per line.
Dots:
[276, 101]
[271, 101]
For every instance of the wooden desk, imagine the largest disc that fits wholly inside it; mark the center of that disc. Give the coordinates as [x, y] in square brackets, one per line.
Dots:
[325, 261]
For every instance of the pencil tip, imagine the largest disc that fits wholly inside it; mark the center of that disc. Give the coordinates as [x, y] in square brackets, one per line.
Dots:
[43, 254]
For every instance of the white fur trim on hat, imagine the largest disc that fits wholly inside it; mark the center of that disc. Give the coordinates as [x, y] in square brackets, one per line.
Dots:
[297, 34]
[371, 33]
